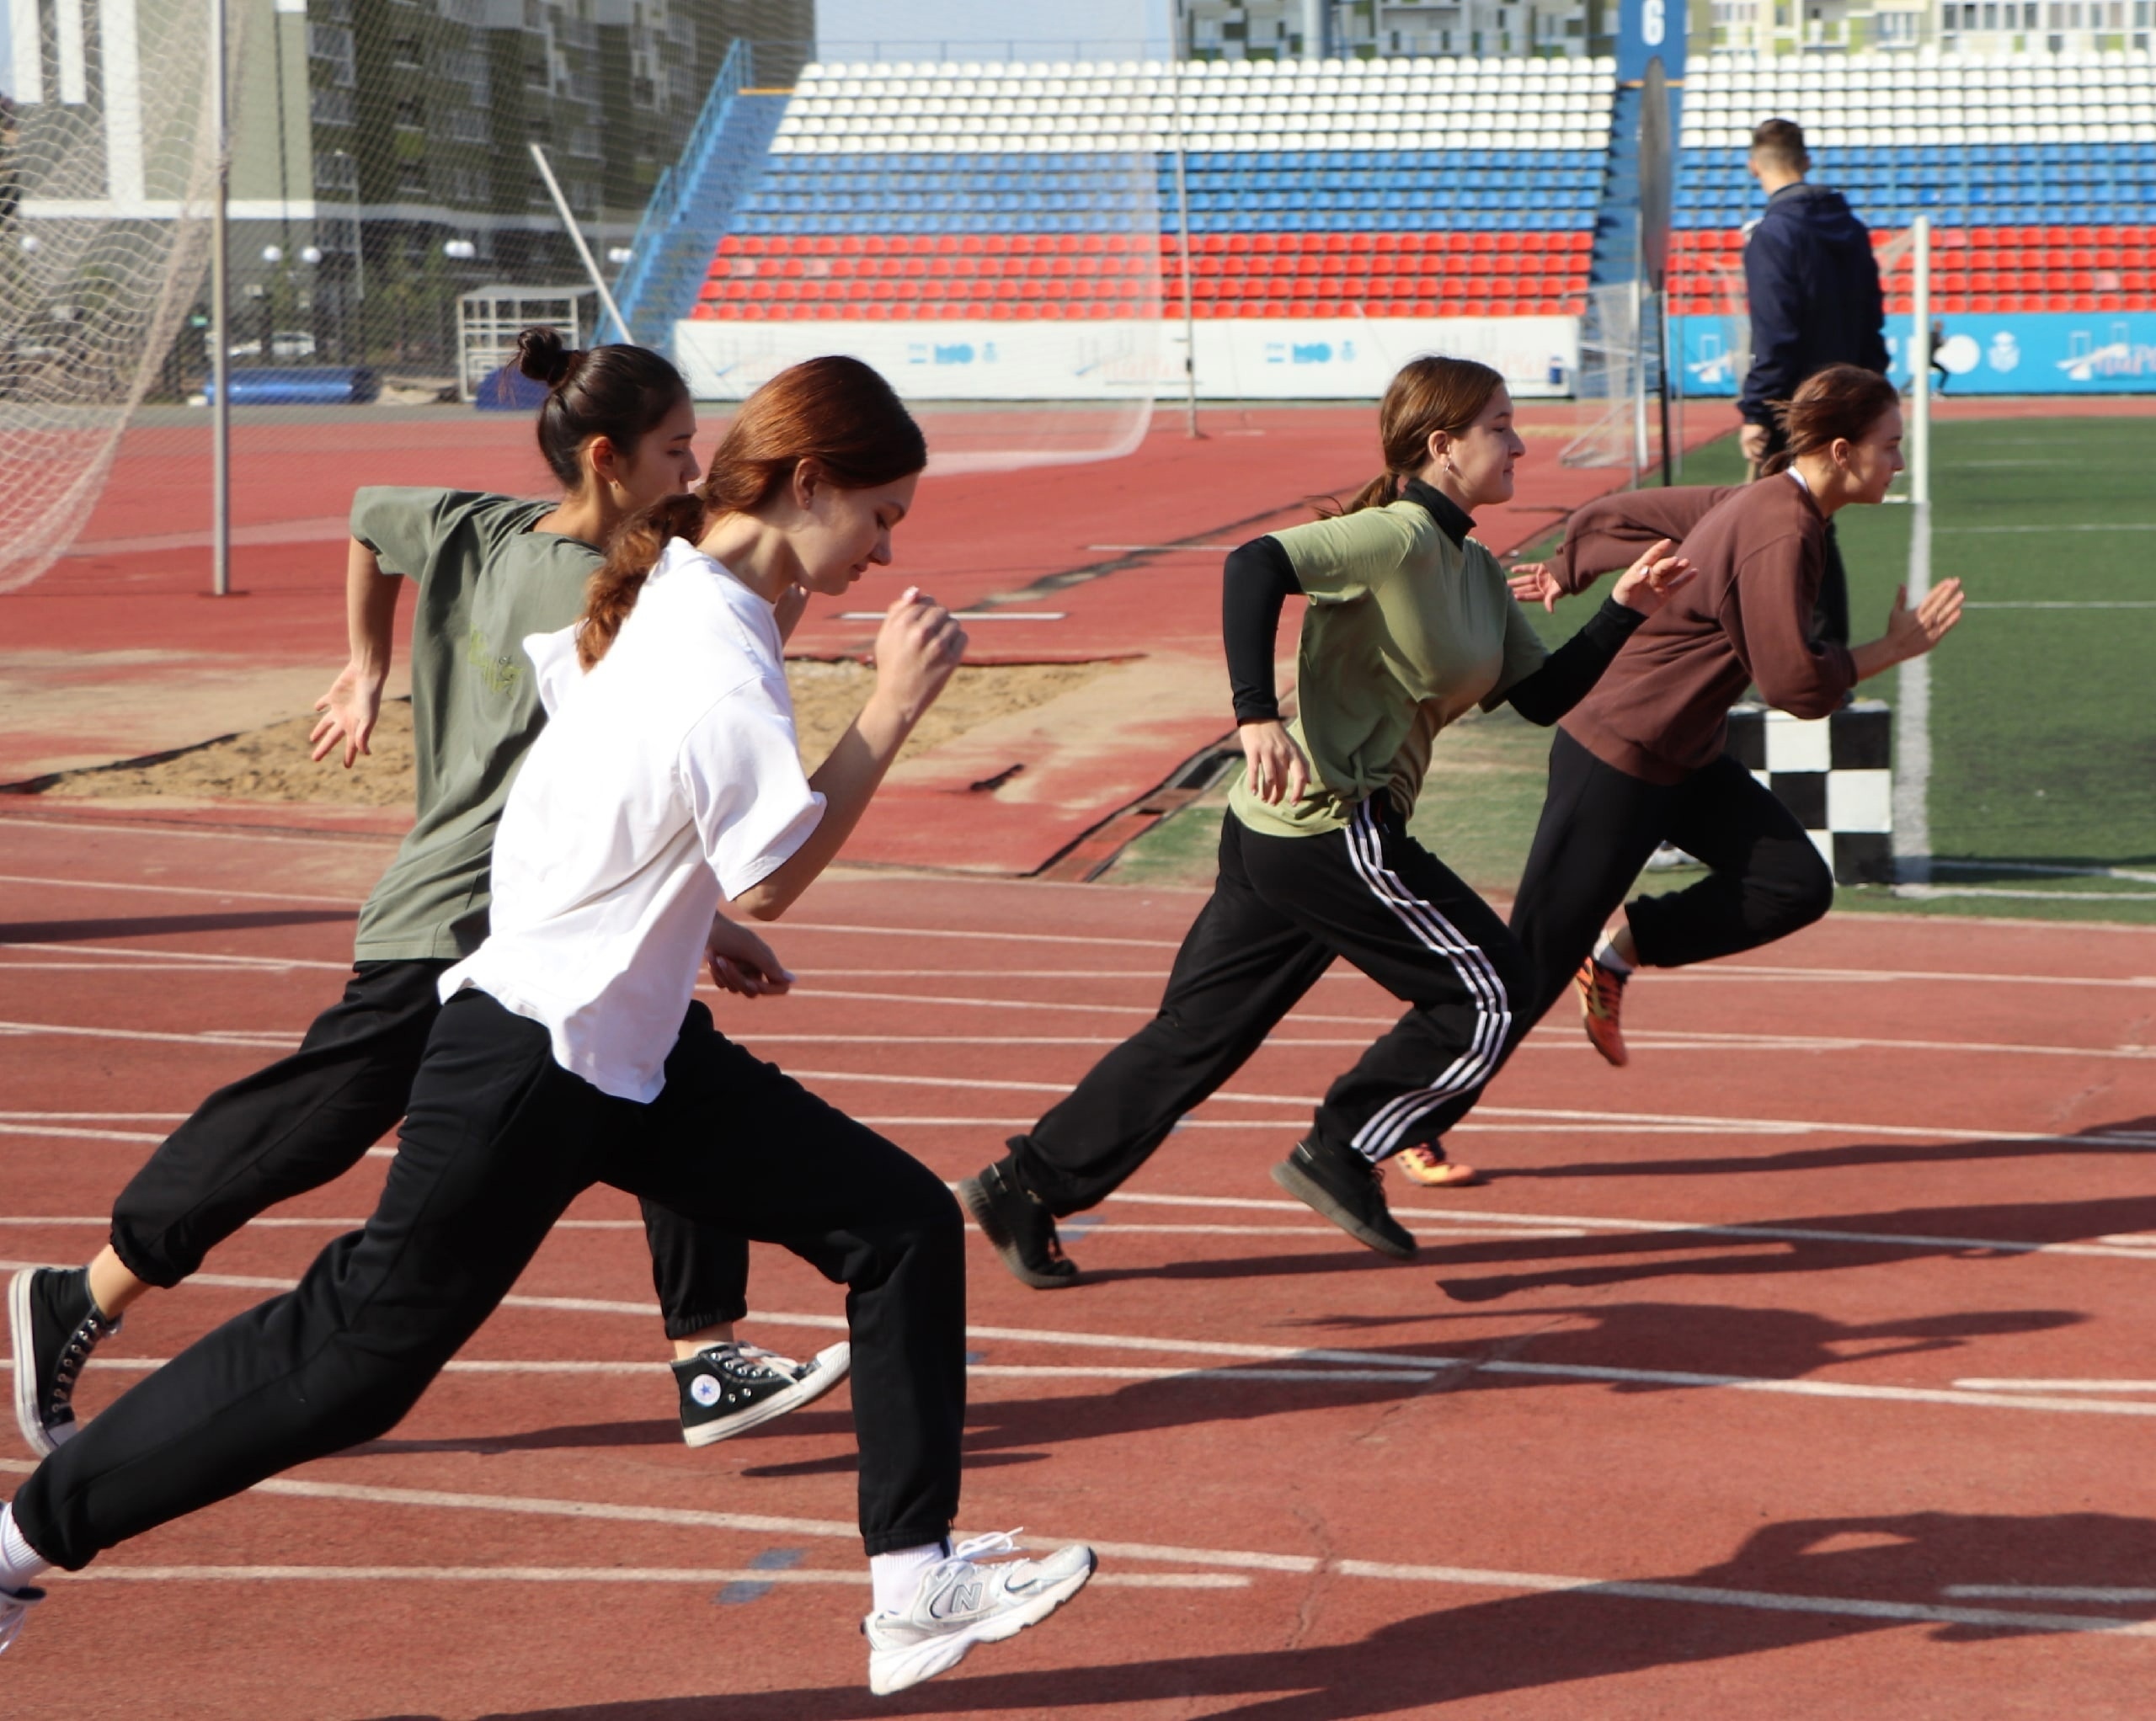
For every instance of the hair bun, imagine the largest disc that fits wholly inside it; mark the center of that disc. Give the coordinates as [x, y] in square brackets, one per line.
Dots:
[542, 355]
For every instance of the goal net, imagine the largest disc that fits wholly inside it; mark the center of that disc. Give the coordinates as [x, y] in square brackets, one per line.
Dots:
[111, 166]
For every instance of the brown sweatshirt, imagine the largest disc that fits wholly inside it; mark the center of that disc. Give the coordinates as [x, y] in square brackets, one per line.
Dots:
[1661, 710]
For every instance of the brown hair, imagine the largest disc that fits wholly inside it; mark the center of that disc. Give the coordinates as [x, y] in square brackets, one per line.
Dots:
[836, 412]
[1428, 394]
[620, 393]
[1782, 141]
[1841, 402]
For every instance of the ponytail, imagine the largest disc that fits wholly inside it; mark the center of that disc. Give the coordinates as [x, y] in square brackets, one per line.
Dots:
[836, 412]
[1840, 403]
[1428, 395]
[634, 551]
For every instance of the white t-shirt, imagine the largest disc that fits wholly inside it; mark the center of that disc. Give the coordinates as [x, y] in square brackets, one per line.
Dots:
[664, 777]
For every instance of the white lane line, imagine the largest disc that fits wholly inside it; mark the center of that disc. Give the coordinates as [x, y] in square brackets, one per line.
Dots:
[1682, 1594]
[1010, 1371]
[176, 890]
[2116, 1595]
[2057, 1386]
[208, 1038]
[153, 957]
[1844, 1390]
[849, 930]
[2064, 603]
[572, 1574]
[966, 615]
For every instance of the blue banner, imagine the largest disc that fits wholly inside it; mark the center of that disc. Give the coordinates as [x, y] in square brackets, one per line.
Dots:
[2047, 352]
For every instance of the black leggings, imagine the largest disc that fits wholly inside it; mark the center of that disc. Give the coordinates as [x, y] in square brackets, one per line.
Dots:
[1766, 878]
[1282, 909]
[307, 1119]
[498, 1140]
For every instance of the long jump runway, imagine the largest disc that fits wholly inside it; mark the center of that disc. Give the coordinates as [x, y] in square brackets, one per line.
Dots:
[1799, 1369]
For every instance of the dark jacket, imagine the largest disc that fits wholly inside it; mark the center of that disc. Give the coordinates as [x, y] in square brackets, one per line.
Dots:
[1815, 293]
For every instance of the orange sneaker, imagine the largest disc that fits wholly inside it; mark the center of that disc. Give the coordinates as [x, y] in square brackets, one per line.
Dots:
[1430, 1167]
[1601, 995]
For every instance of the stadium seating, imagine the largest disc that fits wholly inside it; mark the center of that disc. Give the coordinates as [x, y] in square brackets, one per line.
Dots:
[1991, 150]
[1401, 188]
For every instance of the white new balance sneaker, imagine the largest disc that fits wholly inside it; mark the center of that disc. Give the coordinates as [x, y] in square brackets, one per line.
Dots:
[14, 1604]
[962, 1602]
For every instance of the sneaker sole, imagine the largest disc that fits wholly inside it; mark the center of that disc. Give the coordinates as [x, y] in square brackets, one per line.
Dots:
[1005, 1245]
[828, 1367]
[19, 1326]
[1320, 1201]
[901, 1668]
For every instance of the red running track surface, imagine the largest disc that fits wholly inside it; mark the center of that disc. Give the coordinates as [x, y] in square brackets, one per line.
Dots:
[1674, 1418]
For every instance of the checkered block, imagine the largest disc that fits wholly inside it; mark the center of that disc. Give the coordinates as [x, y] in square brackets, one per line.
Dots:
[1835, 774]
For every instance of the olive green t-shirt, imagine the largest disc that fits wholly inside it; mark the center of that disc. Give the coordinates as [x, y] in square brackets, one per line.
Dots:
[1406, 631]
[485, 580]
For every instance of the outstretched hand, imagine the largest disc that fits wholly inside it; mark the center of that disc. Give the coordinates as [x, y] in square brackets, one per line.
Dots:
[1274, 767]
[350, 710]
[742, 962]
[1532, 582]
[1646, 586]
[1910, 633]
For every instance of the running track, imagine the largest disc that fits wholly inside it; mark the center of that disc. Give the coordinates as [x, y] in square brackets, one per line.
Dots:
[1719, 1402]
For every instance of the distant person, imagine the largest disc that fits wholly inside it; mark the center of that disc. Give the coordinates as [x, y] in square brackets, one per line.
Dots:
[1815, 301]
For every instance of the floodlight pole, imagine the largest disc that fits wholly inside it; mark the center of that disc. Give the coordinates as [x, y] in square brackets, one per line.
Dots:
[1182, 222]
[576, 238]
[220, 397]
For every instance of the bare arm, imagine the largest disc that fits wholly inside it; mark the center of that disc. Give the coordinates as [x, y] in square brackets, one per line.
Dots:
[916, 652]
[353, 700]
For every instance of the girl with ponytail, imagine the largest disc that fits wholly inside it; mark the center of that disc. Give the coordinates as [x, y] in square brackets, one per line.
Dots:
[616, 429]
[1409, 626]
[569, 1050]
[1642, 760]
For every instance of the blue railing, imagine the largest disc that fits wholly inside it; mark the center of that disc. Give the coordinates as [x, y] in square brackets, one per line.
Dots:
[670, 196]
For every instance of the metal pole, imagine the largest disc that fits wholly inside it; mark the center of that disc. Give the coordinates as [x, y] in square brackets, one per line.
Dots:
[1919, 428]
[220, 394]
[1639, 378]
[1182, 223]
[576, 238]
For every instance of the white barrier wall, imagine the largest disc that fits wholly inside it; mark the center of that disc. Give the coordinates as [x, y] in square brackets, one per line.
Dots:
[1238, 358]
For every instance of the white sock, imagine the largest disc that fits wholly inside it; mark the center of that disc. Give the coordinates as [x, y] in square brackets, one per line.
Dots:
[897, 1575]
[1605, 955]
[21, 1565]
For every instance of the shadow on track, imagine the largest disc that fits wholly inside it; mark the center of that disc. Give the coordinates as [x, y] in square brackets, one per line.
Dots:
[155, 925]
[1791, 1584]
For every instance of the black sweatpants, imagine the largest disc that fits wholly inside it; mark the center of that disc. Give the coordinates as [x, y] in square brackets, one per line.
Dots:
[498, 1141]
[1282, 909]
[307, 1119]
[1765, 879]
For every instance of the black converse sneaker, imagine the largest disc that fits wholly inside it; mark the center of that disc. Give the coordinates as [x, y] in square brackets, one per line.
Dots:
[1347, 1189]
[55, 1327]
[727, 1388]
[1020, 1226]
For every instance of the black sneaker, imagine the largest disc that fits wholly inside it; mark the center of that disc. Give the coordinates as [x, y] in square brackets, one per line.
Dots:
[728, 1388]
[1349, 1190]
[1021, 1229]
[55, 1327]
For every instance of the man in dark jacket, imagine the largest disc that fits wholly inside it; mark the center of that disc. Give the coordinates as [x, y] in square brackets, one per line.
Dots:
[1815, 301]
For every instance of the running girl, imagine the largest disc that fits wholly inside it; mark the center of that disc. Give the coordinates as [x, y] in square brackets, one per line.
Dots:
[1640, 761]
[562, 1057]
[616, 428]
[1409, 626]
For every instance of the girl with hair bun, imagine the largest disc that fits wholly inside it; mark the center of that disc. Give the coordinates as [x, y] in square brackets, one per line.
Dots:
[1641, 761]
[569, 1052]
[616, 429]
[1409, 626]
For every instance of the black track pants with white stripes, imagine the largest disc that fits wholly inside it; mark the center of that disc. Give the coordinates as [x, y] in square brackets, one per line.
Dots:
[1282, 909]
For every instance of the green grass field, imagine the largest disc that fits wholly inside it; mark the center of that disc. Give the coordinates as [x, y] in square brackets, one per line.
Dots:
[2043, 730]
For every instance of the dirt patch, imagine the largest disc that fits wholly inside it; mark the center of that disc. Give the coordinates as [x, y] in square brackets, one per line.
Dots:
[270, 764]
